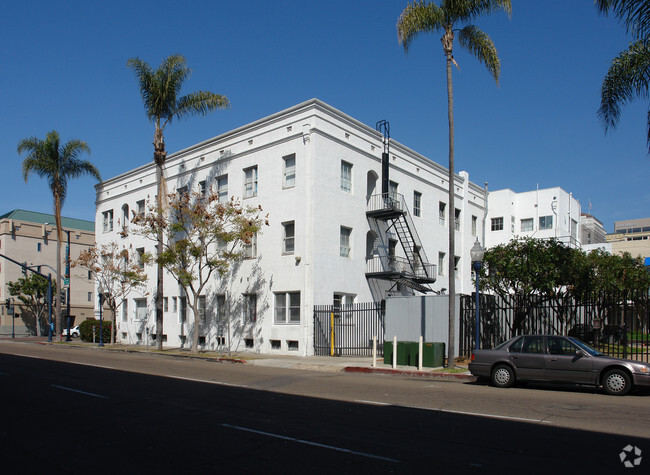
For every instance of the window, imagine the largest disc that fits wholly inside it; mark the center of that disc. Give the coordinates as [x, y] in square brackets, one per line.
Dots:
[182, 314]
[174, 305]
[340, 300]
[497, 224]
[457, 219]
[249, 343]
[392, 190]
[250, 308]
[90, 296]
[526, 225]
[292, 345]
[561, 346]
[140, 252]
[125, 310]
[345, 249]
[140, 207]
[221, 308]
[574, 228]
[288, 241]
[222, 188]
[474, 225]
[250, 248]
[512, 224]
[287, 307]
[250, 182]
[165, 304]
[441, 212]
[38, 246]
[417, 204]
[289, 179]
[90, 275]
[182, 191]
[202, 308]
[202, 189]
[140, 309]
[441, 263]
[546, 222]
[346, 176]
[107, 218]
[276, 344]
[456, 262]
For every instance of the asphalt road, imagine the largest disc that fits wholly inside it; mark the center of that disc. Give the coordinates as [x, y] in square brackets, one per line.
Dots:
[70, 410]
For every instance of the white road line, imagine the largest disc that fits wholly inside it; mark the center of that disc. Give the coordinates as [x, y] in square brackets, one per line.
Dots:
[220, 383]
[465, 413]
[90, 364]
[315, 444]
[80, 392]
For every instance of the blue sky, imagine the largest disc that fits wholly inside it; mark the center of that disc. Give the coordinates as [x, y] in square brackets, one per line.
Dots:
[65, 69]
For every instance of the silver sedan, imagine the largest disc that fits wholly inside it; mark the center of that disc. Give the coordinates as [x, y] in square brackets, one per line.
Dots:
[557, 359]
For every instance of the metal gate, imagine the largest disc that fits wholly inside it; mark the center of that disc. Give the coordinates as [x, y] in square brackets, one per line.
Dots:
[348, 330]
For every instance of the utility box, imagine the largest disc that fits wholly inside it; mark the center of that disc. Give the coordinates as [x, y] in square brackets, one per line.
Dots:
[433, 355]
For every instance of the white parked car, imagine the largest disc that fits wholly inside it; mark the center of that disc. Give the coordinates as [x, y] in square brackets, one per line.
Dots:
[74, 331]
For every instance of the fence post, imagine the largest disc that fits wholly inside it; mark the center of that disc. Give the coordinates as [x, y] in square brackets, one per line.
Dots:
[420, 354]
[374, 351]
[332, 334]
[394, 352]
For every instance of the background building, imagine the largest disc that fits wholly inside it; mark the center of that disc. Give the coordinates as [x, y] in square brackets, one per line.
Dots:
[540, 214]
[334, 237]
[30, 237]
[633, 236]
[592, 230]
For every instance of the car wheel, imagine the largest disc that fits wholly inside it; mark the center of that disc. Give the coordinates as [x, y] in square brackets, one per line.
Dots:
[617, 382]
[503, 376]
[75, 335]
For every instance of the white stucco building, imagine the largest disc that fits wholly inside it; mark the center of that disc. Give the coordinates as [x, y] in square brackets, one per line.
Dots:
[317, 173]
[540, 214]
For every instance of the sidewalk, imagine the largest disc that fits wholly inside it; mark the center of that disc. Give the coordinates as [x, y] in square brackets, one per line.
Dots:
[349, 364]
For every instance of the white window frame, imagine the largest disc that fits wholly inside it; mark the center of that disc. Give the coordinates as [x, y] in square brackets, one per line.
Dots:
[527, 225]
[442, 213]
[182, 310]
[457, 219]
[289, 237]
[140, 310]
[250, 249]
[250, 182]
[474, 225]
[221, 308]
[546, 222]
[496, 224]
[417, 204]
[287, 308]
[222, 188]
[346, 176]
[140, 252]
[393, 192]
[249, 308]
[345, 242]
[441, 263]
[140, 206]
[202, 308]
[125, 310]
[107, 220]
[289, 173]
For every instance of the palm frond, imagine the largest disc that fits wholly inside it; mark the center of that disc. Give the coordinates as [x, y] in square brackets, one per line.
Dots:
[482, 47]
[634, 14]
[461, 11]
[200, 103]
[419, 17]
[626, 80]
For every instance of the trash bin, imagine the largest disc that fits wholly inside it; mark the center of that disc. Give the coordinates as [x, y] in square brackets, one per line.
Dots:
[404, 350]
[388, 352]
[433, 355]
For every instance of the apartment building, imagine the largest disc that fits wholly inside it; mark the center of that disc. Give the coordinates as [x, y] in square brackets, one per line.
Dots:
[631, 235]
[30, 237]
[540, 214]
[354, 217]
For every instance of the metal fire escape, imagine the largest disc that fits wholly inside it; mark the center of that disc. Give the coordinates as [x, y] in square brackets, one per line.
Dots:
[413, 270]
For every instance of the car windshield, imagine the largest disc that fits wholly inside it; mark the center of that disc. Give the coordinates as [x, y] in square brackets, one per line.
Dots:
[586, 347]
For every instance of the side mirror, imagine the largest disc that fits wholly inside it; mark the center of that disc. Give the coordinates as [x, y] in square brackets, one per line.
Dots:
[580, 353]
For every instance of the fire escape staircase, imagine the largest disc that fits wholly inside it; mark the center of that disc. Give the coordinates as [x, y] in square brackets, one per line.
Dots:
[413, 270]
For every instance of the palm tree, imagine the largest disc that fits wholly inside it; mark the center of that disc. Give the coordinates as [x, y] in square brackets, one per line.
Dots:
[159, 89]
[428, 17]
[628, 74]
[56, 163]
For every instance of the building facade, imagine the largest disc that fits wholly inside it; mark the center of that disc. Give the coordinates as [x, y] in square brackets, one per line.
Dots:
[592, 230]
[540, 214]
[633, 236]
[340, 232]
[30, 237]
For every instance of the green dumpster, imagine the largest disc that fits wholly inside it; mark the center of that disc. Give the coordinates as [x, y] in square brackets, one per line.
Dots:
[404, 349]
[413, 352]
[433, 355]
[388, 352]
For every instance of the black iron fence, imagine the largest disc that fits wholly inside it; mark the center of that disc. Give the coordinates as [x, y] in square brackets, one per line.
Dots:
[348, 330]
[615, 324]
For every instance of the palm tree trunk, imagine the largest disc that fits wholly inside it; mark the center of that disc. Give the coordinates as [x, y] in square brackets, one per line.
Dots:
[451, 345]
[159, 251]
[58, 328]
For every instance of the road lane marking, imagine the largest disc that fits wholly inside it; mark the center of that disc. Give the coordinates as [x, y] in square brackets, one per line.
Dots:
[220, 383]
[315, 444]
[464, 413]
[80, 392]
[93, 365]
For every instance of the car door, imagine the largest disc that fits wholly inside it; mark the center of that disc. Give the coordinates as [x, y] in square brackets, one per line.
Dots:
[566, 363]
[528, 358]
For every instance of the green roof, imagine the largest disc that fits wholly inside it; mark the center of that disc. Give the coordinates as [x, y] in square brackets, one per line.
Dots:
[43, 218]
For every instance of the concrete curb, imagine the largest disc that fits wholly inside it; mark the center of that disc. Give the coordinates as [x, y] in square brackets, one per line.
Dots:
[459, 377]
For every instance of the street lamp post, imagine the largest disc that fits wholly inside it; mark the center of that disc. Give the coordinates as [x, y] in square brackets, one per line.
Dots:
[101, 304]
[67, 276]
[476, 254]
